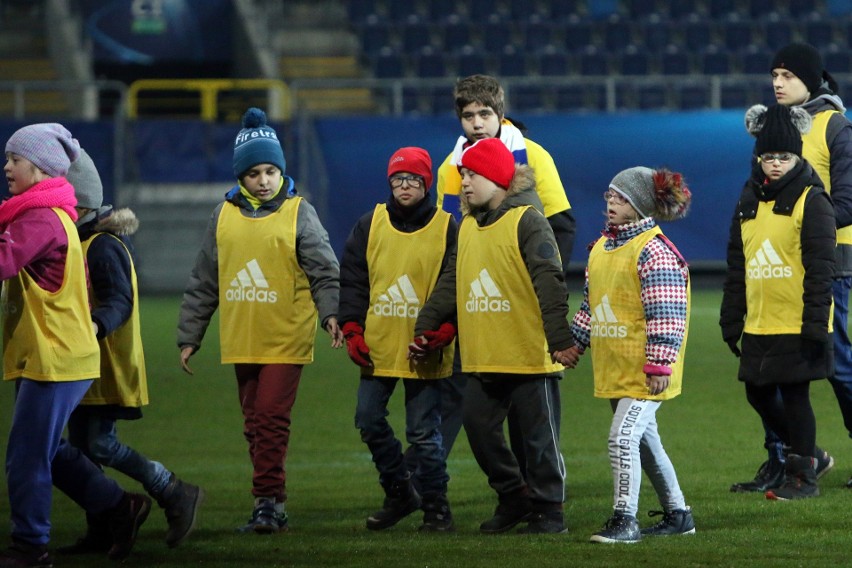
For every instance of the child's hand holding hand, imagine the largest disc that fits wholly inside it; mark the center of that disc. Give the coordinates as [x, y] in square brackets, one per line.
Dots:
[333, 329]
[657, 384]
[568, 357]
[355, 344]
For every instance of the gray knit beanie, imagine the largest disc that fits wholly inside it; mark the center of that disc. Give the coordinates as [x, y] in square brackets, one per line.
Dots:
[83, 175]
[654, 193]
[47, 145]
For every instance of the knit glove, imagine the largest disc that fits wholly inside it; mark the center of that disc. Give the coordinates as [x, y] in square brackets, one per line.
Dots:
[355, 344]
[443, 336]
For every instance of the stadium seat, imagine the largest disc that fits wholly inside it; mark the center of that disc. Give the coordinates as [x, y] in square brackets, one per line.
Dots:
[655, 34]
[652, 96]
[537, 34]
[416, 34]
[819, 33]
[561, 10]
[675, 61]
[578, 34]
[412, 101]
[693, 96]
[777, 32]
[735, 95]
[641, 9]
[841, 8]
[759, 9]
[738, 33]
[592, 61]
[526, 97]
[802, 8]
[512, 63]
[633, 61]
[455, 33]
[429, 63]
[522, 10]
[388, 64]
[374, 34]
[359, 10]
[683, 10]
[553, 62]
[496, 34]
[714, 61]
[441, 10]
[580, 97]
[440, 99]
[718, 9]
[471, 61]
[618, 33]
[400, 11]
[755, 60]
[697, 34]
[837, 61]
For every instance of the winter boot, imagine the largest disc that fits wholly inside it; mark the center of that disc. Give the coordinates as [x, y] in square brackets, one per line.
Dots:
[800, 482]
[436, 514]
[400, 501]
[97, 540]
[180, 502]
[677, 521]
[512, 509]
[770, 475]
[124, 522]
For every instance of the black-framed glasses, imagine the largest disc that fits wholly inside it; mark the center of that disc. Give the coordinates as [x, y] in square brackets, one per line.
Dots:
[414, 182]
[782, 157]
[616, 197]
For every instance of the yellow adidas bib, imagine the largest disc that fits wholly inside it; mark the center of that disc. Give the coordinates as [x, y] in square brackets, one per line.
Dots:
[123, 378]
[266, 312]
[500, 325]
[48, 336]
[404, 268]
[774, 271]
[815, 151]
[618, 335]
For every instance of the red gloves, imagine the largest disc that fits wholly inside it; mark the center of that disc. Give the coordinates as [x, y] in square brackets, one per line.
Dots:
[355, 344]
[432, 341]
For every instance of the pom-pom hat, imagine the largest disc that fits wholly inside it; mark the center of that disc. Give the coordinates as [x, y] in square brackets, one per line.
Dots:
[257, 143]
[414, 160]
[653, 193]
[491, 159]
[47, 145]
[778, 128]
[88, 188]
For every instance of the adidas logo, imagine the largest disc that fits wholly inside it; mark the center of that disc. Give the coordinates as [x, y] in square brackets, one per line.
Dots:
[250, 285]
[484, 296]
[604, 323]
[767, 264]
[400, 300]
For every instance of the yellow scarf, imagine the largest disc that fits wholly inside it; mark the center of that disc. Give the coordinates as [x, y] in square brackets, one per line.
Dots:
[254, 201]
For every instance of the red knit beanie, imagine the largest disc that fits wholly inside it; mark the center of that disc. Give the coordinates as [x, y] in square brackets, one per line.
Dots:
[491, 159]
[413, 160]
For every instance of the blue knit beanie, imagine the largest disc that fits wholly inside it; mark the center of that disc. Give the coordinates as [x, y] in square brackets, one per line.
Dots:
[257, 143]
[47, 145]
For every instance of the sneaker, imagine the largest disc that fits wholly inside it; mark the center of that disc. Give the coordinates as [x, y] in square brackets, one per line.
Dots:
[437, 516]
[24, 554]
[97, 540]
[124, 522]
[550, 522]
[849, 483]
[801, 480]
[619, 529]
[770, 475]
[824, 463]
[678, 521]
[508, 514]
[400, 501]
[265, 519]
[180, 502]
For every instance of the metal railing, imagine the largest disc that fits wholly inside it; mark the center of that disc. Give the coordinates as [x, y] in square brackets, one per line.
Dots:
[77, 99]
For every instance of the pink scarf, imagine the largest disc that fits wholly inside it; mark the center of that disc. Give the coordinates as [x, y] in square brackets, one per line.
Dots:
[52, 192]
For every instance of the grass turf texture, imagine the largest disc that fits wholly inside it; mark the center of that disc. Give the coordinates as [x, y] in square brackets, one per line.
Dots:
[714, 438]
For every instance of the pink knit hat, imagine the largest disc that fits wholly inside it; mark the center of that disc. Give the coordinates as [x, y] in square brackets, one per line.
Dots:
[491, 159]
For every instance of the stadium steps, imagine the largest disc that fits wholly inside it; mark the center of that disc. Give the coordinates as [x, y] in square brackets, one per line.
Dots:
[327, 67]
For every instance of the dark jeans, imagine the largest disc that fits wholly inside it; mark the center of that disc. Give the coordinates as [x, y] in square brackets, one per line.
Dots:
[267, 394]
[422, 419]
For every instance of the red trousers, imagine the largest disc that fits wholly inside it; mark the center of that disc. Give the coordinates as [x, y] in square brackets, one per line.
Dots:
[267, 394]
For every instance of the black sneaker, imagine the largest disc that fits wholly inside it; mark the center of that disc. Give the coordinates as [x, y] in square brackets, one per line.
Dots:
[678, 521]
[770, 475]
[400, 501]
[24, 554]
[265, 519]
[506, 516]
[124, 522]
[550, 522]
[619, 529]
[436, 515]
[824, 463]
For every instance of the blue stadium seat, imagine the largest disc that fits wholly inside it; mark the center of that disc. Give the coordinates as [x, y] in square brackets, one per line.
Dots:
[455, 33]
[641, 9]
[592, 61]
[522, 10]
[416, 34]
[735, 95]
[561, 10]
[818, 32]
[755, 60]
[400, 11]
[697, 33]
[526, 97]
[441, 10]
[577, 97]
[837, 61]
[497, 34]
[618, 33]
[777, 32]
[714, 61]
[374, 34]
[633, 61]
[652, 96]
[839, 7]
[553, 62]
[656, 34]
[675, 61]
[578, 34]
[537, 34]
[440, 99]
[388, 64]
[430, 63]
[737, 33]
[802, 8]
[512, 63]
[693, 96]
[759, 9]
[720, 8]
[412, 101]
[683, 9]
[471, 61]
[359, 10]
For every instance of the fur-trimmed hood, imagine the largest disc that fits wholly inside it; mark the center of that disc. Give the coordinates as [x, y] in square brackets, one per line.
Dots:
[520, 192]
[121, 222]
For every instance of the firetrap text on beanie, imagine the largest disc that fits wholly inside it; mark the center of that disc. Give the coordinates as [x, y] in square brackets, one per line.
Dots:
[47, 145]
[491, 159]
[257, 143]
[413, 160]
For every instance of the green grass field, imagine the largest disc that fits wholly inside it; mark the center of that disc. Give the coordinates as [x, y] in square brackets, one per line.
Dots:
[193, 425]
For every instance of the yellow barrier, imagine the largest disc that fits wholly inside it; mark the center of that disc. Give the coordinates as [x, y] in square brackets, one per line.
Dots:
[209, 89]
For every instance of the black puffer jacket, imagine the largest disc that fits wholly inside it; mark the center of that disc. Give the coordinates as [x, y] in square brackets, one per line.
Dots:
[785, 358]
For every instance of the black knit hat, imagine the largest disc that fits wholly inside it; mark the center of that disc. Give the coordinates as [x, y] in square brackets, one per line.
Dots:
[778, 128]
[805, 62]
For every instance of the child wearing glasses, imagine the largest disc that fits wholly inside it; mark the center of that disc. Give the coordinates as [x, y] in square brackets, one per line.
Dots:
[634, 316]
[776, 313]
[391, 262]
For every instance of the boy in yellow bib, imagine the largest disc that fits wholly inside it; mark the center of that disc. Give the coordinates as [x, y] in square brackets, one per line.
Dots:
[49, 351]
[778, 290]
[634, 316]
[266, 262]
[390, 265]
[507, 279]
